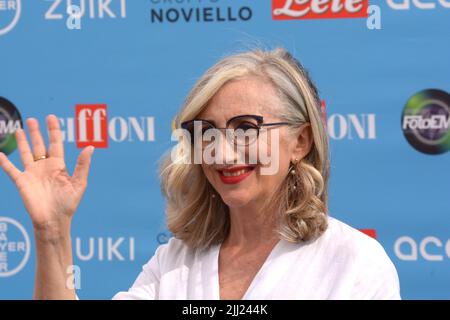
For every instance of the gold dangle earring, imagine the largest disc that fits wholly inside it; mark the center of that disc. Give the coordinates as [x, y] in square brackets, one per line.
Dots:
[293, 173]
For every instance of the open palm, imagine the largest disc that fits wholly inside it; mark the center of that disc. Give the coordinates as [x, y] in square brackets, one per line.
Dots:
[50, 195]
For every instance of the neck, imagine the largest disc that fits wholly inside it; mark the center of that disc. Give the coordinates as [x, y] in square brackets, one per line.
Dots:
[252, 225]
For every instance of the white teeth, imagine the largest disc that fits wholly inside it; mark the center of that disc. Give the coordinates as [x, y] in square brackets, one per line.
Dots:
[235, 173]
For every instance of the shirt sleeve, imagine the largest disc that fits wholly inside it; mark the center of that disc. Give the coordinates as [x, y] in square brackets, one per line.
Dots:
[377, 278]
[146, 286]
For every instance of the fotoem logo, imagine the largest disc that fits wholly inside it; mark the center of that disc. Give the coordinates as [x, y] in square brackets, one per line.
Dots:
[9, 15]
[10, 121]
[14, 247]
[426, 121]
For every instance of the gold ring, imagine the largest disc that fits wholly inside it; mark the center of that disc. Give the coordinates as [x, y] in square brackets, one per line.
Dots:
[40, 158]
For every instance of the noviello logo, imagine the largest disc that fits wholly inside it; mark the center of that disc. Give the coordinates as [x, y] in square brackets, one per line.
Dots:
[198, 11]
[426, 121]
[10, 121]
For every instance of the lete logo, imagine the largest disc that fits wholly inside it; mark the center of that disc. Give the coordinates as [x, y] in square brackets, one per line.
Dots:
[319, 9]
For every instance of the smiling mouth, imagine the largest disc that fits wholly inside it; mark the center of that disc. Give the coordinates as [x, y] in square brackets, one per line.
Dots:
[236, 174]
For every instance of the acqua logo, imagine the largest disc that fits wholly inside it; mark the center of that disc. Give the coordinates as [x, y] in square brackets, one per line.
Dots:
[420, 4]
[14, 247]
[409, 249]
[10, 14]
[426, 121]
[10, 121]
[319, 9]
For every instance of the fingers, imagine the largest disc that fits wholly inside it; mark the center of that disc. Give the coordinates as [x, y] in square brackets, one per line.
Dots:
[24, 148]
[81, 172]
[36, 138]
[9, 168]
[56, 146]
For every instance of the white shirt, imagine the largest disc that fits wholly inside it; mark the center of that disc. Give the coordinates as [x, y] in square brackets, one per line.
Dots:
[343, 263]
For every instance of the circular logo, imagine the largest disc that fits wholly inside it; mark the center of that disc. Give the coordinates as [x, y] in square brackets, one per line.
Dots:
[10, 121]
[163, 237]
[14, 247]
[10, 14]
[426, 121]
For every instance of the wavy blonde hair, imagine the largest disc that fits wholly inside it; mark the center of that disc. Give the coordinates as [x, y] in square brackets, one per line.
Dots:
[198, 218]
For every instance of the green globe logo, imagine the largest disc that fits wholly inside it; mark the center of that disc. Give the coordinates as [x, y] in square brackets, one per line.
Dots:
[10, 121]
[426, 121]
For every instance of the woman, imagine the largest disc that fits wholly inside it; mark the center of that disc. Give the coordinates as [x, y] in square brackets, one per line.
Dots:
[239, 233]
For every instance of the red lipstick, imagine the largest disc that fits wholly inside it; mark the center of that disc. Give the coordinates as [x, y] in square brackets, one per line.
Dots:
[235, 175]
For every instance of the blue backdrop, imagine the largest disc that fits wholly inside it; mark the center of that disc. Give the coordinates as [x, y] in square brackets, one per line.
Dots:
[380, 77]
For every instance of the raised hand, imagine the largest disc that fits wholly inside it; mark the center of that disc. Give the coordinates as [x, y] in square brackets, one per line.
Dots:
[50, 195]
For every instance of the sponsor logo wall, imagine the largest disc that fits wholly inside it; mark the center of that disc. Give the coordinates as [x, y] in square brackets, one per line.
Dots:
[115, 73]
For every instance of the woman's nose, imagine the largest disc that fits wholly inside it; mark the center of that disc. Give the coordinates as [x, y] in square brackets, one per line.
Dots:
[228, 153]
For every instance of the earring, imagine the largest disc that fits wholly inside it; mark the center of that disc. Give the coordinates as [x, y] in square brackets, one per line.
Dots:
[292, 171]
[294, 187]
[213, 195]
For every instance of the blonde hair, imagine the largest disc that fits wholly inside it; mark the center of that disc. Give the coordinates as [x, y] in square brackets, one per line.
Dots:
[198, 218]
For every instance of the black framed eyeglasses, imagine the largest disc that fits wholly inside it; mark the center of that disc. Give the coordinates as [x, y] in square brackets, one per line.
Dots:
[244, 129]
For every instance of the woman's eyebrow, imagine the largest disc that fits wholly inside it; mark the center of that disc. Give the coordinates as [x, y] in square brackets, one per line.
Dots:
[245, 115]
[208, 120]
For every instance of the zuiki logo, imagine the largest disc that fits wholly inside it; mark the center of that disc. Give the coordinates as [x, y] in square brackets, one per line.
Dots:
[10, 121]
[319, 9]
[14, 247]
[10, 11]
[198, 11]
[425, 121]
[88, 9]
[105, 248]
